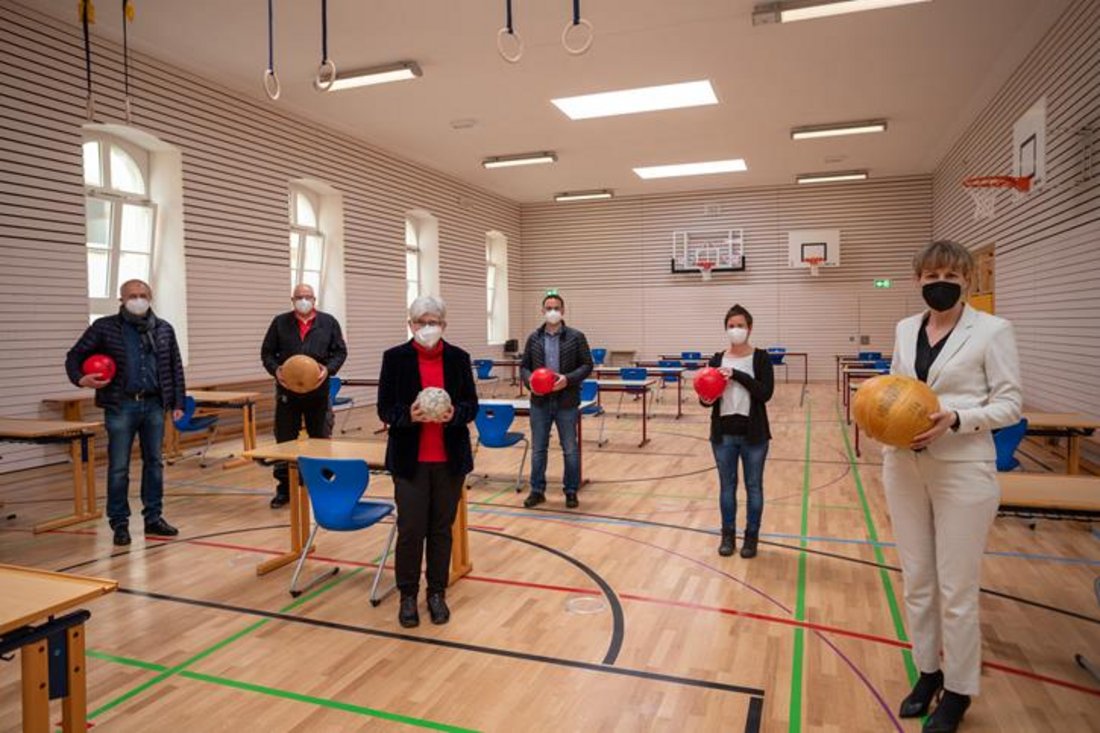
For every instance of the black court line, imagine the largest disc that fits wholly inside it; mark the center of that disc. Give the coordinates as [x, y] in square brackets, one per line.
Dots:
[756, 714]
[811, 551]
[618, 626]
[457, 645]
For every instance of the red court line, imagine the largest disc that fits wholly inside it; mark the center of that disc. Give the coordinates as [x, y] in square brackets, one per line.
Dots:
[659, 601]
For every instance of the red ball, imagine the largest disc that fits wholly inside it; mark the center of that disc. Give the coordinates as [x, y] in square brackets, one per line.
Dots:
[542, 381]
[100, 365]
[709, 384]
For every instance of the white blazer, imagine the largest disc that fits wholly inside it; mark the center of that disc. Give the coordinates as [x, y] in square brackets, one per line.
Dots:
[976, 374]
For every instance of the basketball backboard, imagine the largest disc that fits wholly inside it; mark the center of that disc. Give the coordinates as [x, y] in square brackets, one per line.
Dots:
[1029, 144]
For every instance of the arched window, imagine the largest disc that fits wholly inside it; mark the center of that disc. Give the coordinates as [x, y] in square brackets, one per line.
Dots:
[120, 219]
[307, 242]
[496, 286]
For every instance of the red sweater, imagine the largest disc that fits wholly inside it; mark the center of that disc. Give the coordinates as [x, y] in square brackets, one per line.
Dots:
[431, 375]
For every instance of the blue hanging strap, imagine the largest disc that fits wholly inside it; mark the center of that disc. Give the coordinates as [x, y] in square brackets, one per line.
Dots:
[576, 12]
[512, 50]
[271, 79]
[87, 17]
[326, 72]
[584, 36]
[508, 16]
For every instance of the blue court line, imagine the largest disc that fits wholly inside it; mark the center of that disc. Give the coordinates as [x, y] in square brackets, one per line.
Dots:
[566, 517]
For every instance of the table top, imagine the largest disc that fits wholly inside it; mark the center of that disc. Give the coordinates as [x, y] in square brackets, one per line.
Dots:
[635, 383]
[28, 594]
[359, 382]
[371, 451]
[27, 428]
[1061, 420]
[214, 397]
[652, 370]
[523, 406]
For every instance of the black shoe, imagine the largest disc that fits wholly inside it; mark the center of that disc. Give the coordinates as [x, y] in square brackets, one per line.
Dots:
[748, 547]
[408, 616]
[437, 607]
[729, 543]
[920, 698]
[160, 528]
[534, 500]
[279, 500]
[949, 713]
[122, 535]
[571, 501]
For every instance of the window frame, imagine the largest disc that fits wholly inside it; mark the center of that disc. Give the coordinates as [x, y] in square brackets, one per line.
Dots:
[301, 233]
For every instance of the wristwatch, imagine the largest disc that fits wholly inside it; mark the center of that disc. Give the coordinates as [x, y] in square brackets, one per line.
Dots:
[955, 425]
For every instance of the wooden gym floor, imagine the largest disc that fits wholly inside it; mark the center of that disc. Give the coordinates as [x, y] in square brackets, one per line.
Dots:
[619, 616]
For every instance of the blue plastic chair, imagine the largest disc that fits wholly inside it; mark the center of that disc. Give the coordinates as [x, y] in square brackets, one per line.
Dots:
[340, 404]
[189, 423]
[492, 423]
[777, 354]
[485, 374]
[667, 378]
[335, 486]
[870, 355]
[1007, 440]
[590, 389]
[598, 356]
[691, 355]
[631, 373]
[881, 365]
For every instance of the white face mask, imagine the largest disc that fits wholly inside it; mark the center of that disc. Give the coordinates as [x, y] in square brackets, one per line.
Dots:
[553, 317]
[137, 306]
[738, 336]
[303, 305]
[428, 336]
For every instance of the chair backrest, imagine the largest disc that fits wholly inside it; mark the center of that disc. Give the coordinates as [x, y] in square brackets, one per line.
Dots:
[882, 365]
[776, 354]
[334, 486]
[633, 373]
[691, 354]
[334, 385]
[599, 355]
[589, 389]
[184, 423]
[511, 346]
[493, 422]
[668, 364]
[484, 368]
[1007, 440]
[870, 355]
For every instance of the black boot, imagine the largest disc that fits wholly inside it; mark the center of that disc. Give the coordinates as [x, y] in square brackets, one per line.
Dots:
[748, 547]
[437, 607]
[408, 616]
[949, 713]
[729, 542]
[916, 704]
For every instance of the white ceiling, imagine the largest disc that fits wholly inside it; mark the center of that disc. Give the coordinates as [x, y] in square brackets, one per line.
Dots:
[927, 68]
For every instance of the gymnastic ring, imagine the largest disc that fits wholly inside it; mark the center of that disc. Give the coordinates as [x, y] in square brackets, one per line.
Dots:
[271, 85]
[583, 47]
[318, 83]
[500, 45]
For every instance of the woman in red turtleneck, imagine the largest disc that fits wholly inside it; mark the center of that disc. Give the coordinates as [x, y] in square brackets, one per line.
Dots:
[428, 459]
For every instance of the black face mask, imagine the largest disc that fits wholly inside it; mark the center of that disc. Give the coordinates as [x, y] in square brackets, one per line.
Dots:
[941, 295]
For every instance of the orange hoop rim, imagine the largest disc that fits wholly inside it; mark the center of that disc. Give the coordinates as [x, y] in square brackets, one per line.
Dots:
[814, 261]
[1020, 183]
[705, 264]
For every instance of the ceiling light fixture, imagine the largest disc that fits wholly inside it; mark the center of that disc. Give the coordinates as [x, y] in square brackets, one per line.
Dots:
[831, 177]
[808, 132]
[507, 161]
[787, 11]
[733, 165]
[632, 101]
[400, 71]
[600, 193]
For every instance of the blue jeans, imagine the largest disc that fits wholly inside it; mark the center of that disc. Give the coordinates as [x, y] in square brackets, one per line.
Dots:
[542, 416]
[752, 456]
[145, 419]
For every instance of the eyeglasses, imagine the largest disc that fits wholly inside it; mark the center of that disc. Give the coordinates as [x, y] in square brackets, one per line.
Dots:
[431, 322]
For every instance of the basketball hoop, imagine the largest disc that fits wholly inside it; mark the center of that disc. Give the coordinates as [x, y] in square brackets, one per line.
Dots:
[706, 268]
[983, 191]
[814, 263]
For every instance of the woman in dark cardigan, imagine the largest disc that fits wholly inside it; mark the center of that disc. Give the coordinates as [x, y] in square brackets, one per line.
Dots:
[739, 428]
[428, 459]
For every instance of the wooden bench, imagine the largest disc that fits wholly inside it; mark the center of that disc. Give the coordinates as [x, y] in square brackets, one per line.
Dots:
[1050, 491]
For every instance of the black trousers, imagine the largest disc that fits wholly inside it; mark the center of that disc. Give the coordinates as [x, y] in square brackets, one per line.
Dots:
[291, 410]
[426, 508]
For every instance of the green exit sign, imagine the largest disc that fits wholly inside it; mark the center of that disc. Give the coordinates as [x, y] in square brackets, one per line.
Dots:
[884, 284]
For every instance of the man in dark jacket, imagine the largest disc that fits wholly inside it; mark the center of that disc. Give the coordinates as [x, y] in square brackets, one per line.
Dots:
[304, 330]
[148, 381]
[565, 352]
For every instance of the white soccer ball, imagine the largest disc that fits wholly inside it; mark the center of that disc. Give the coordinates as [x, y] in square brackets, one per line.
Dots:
[434, 402]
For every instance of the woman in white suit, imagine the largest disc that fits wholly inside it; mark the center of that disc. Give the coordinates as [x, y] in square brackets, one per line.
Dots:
[942, 492]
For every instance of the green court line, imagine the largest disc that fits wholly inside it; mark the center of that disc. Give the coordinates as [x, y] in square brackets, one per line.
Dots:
[872, 534]
[280, 693]
[800, 600]
[492, 498]
[847, 507]
[177, 669]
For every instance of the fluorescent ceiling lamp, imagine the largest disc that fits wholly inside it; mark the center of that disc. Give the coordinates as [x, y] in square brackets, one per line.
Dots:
[507, 161]
[788, 11]
[632, 101]
[602, 193]
[734, 165]
[809, 132]
[832, 177]
[378, 75]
